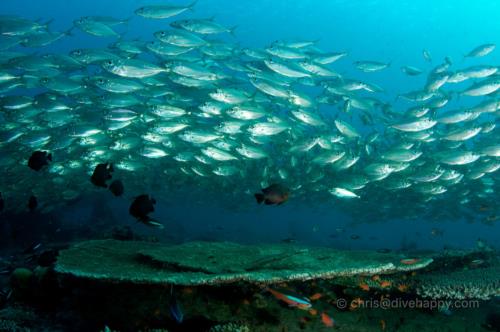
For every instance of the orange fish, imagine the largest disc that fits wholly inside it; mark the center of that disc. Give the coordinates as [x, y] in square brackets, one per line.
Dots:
[382, 324]
[385, 284]
[292, 300]
[313, 312]
[315, 296]
[402, 288]
[484, 208]
[409, 261]
[364, 286]
[376, 277]
[187, 290]
[327, 320]
[274, 194]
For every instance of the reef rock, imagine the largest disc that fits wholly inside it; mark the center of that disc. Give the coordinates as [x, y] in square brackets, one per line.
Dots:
[211, 263]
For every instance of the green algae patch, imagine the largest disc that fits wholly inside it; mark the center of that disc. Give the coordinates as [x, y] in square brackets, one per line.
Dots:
[212, 263]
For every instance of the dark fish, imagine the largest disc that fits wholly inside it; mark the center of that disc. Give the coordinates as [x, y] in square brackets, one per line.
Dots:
[117, 188]
[355, 237]
[384, 251]
[141, 207]
[274, 194]
[437, 232]
[39, 159]
[6, 293]
[6, 271]
[2, 203]
[175, 310]
[32, 248]
[47, 258]
[102, 173]
[289, 240]
[32, 203]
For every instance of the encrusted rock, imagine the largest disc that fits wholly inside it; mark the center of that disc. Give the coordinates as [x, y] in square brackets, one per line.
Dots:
[210, 263]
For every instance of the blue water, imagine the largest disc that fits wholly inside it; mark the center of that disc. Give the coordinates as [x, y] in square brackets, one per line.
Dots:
[382, 30]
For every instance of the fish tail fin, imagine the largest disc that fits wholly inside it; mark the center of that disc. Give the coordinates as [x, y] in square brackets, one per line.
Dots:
[191, 6]
[69, 32]
[46, 24]
[121, 35]
[128, 19]
[259, 198]
[232, 29]
[151, 222]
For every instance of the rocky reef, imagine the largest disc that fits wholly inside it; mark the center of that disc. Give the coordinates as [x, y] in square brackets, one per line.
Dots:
[225, 287]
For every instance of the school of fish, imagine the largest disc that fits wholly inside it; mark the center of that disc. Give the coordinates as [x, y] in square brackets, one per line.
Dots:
[192, 107]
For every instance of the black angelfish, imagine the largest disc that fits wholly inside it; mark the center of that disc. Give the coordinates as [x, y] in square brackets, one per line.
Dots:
[102, 173]
[39, 159]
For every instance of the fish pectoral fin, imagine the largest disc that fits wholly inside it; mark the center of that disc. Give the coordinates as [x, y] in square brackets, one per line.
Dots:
[259, 198]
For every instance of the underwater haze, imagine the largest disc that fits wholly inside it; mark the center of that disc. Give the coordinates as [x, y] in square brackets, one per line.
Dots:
[237, 166]
[192, 206]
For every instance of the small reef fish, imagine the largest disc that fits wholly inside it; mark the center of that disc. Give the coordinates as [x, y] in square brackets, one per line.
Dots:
[364, 286]
[409, 261]
[275, 194]
[175, 309]
[327, 320]
[293, 300]
[315, 296]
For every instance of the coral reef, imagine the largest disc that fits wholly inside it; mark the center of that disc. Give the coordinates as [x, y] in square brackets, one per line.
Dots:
[11, 326]
[19, 319]
[481, 283]
[211, 263]
[230, 327]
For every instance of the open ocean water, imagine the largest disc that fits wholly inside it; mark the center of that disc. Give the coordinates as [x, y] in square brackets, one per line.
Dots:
[211, 133]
